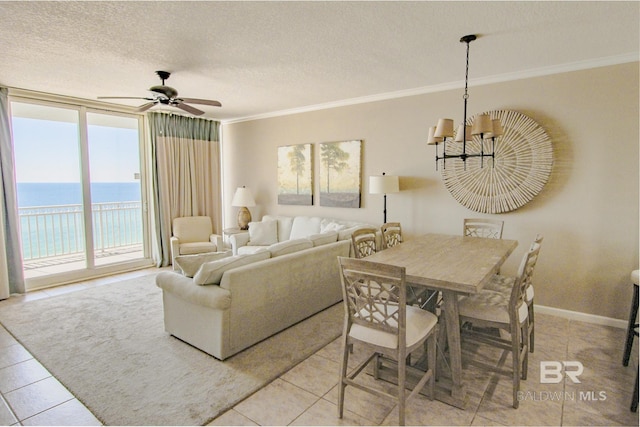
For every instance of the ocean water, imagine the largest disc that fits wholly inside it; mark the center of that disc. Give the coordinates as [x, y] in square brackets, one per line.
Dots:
[51, 231]
[70, 193]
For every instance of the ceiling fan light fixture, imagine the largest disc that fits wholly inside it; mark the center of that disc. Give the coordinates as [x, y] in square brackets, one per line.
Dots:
[166, 95]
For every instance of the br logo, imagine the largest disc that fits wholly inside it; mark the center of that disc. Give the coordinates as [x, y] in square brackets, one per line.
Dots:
[551, 371]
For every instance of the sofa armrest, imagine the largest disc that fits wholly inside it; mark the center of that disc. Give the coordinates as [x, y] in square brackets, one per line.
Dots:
[217, 239]
[237, 240]
[175, 249]
[183, 287]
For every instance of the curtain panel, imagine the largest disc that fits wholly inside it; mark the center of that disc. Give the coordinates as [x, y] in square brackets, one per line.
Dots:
[11, 272]
[186, 174]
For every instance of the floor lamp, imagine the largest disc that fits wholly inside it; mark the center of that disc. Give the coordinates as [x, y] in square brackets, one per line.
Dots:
[383, 184]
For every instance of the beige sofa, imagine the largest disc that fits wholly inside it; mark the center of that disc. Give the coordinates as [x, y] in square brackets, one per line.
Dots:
[274, 229]
[271, 292]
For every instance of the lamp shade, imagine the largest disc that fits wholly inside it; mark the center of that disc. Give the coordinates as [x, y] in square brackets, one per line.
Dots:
[444, 128]
[460, 134]
[497, 129]
[383, 184]
[482, 124]
[242, 198]
[432, 140]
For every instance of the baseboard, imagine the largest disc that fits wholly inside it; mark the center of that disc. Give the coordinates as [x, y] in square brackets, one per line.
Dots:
[582, 317]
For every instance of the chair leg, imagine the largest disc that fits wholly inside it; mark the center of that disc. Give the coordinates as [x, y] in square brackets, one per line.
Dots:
[343, 374]
[431, 360]
[532, 327]
[634, 399]
[524, 332]
[401, 389]
[515, 349]
[631, 327]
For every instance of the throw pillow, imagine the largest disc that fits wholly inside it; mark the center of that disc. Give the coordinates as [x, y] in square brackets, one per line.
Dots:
[189, 264]
[284, 225]
[328, 225]
[304, 226]
[289, 246]
[263, 233]
[210, 273]
[323, 238]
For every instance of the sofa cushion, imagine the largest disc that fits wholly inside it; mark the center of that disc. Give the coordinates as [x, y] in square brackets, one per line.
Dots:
[190, 264]
[263, 233]
[323, 238]
[248, 250]
[304, 226]
[197, 248]
[289, 246]
[284, 225]
[210, 273]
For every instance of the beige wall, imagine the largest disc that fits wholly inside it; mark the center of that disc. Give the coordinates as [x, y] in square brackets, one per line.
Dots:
[588, 212]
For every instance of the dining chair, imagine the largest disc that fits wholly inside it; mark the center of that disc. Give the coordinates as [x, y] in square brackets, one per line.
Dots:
[378, 318]
[505, 284]
[391, 234]
[416, 295]
[483, 227]
[494, 309]
[632, 332]
[364, 242]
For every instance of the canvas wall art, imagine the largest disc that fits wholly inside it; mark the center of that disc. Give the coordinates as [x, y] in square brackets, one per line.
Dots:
[339, 174]
[295, 175]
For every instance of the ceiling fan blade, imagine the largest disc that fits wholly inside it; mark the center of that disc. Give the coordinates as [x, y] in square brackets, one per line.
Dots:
[202, 101]
[188, 108]
[121, 97]
[145, 107]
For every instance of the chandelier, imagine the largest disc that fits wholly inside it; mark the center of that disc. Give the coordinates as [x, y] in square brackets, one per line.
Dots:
[482, 127]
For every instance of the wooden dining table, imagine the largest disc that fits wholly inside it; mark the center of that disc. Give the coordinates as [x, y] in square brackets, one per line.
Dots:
[453, 265]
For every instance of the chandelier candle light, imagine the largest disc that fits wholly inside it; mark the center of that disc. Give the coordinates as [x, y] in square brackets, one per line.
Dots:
[482, 126]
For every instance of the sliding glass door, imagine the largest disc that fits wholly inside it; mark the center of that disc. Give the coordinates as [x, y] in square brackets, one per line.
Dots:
[116, 196]
[79, 189]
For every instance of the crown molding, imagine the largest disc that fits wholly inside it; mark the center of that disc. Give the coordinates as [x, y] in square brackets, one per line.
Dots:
[499, 78]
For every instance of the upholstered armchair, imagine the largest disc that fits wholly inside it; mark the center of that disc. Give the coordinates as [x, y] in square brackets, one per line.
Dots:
[193, 235]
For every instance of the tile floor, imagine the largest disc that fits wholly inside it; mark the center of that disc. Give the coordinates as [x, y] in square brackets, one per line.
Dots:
[307, 394]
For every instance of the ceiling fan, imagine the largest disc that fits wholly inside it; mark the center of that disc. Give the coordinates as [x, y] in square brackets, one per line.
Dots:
[167, 95]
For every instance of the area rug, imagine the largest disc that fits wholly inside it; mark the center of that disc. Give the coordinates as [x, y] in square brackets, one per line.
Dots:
[108, 346]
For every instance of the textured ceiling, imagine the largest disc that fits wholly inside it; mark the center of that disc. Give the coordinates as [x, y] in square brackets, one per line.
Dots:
[260, 58]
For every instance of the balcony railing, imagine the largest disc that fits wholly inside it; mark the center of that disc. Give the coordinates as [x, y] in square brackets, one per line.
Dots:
[54, 231]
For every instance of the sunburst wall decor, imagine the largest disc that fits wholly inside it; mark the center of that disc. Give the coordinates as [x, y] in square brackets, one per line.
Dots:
[521, 167]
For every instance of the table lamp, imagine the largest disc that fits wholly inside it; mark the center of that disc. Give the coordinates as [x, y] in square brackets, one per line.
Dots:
[243, 199]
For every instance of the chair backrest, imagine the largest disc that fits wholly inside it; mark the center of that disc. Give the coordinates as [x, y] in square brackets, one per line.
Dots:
[391, 234]
[524, 279]
[374, 295]
[364, 242]
[483, 227]
[192, 228]
[538, 240]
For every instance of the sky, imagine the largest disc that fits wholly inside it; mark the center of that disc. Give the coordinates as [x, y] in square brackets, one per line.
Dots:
[48, 150]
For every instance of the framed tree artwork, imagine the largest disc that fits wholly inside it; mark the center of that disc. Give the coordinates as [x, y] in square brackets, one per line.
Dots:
[339, 177]
[295, 175]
